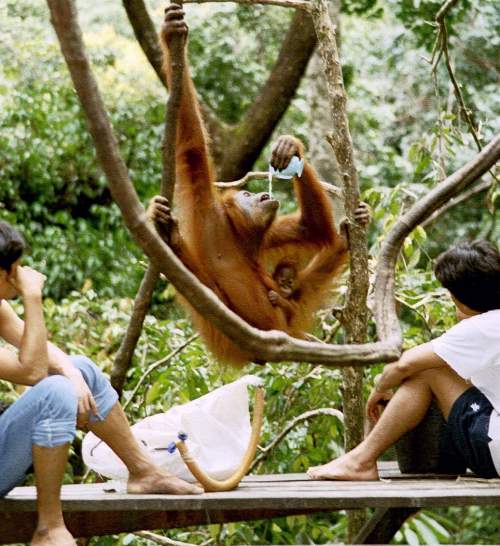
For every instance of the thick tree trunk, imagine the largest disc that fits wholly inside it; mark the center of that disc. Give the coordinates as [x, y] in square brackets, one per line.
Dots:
[245, 141]
[330, 95]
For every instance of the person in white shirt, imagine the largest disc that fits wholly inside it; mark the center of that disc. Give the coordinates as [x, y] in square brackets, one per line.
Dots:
[460, 369]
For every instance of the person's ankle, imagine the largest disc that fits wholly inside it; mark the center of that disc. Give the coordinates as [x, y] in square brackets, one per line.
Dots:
[361, 459]
[45, 527]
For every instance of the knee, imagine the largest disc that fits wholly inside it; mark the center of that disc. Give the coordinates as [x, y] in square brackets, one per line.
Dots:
[84, 363]
[56, 391]
[435, 374]
[91, 373]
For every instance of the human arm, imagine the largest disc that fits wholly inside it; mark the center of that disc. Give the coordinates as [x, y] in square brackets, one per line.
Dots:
[413, 361]
[30, 365]
[55, 361]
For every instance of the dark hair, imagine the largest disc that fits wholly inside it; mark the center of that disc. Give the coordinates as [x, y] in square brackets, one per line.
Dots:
[471, 272]
[11, 245]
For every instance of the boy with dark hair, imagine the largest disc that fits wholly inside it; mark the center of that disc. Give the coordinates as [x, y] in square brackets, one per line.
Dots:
[12, 246]
[67, 390]
[460, 369]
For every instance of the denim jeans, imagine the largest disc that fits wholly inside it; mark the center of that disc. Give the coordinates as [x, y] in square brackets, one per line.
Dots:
[45, 415]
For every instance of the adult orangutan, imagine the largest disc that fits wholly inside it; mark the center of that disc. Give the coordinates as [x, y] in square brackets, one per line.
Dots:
[228, 240]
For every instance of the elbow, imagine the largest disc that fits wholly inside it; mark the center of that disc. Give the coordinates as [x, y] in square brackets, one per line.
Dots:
[404, 368]
[35, 371]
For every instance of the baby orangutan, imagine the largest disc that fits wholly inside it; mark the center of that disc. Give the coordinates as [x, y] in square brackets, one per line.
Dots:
[290, 280]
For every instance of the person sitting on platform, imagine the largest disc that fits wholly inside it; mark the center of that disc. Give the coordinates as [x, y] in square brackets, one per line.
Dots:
[460, 369]
[67, 391]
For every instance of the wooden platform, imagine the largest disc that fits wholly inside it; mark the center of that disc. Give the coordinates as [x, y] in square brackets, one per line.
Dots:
[90, 510]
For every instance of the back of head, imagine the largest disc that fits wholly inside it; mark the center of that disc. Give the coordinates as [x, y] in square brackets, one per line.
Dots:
[11, 245]
[471, 272]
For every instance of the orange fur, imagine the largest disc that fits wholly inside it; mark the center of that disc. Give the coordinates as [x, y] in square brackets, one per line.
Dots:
[227, 252]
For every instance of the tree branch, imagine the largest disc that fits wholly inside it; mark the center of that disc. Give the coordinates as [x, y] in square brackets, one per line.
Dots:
[290, 426]
[354, 315]
[129, 342]
[145, 32]
[142, 301]
[163, 541]
[297, 4]
[271, 346]
[244, 142]
[385, 310]
[156, 365]
[334, 191]
[482, 187]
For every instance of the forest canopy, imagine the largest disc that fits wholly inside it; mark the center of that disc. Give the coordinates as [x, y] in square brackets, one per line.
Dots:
[409, 132]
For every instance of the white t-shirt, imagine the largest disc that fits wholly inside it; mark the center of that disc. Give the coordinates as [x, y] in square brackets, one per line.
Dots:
[472, 349]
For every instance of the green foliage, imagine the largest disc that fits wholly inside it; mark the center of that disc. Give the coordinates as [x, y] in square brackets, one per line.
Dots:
[233, 54]
[419, 16]
[51, 185]
[408, 134]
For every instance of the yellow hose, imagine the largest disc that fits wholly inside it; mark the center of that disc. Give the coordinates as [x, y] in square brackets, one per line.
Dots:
[208, 483]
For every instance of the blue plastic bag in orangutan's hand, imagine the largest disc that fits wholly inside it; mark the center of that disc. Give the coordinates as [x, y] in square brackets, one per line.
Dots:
[294, 168]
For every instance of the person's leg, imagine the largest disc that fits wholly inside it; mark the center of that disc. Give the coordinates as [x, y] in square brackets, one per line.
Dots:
[49, 466]
[114, 430]
[405, 410]
[38, 429]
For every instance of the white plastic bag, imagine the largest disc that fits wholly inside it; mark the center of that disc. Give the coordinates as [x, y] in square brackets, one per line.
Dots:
[218, 429]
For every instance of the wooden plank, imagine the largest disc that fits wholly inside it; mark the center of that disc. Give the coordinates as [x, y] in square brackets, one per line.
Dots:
[90, 510]
[303, 494]
[19, 527]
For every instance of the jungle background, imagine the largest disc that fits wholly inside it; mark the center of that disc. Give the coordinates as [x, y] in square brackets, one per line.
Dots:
[408, 133]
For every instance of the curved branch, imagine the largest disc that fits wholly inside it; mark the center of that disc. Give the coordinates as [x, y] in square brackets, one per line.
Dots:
[163, 541]
[296, 4]
[145, 32]
[480, 188]
[291, 425]
[334, 191]
[271, 345]
[244, 143]
[385, 309]
[129, 342]
[156, 365]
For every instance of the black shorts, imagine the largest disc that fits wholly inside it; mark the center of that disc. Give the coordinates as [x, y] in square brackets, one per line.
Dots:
[464, 442]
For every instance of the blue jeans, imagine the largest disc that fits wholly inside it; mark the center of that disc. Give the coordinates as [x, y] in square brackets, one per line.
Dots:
[46, 416]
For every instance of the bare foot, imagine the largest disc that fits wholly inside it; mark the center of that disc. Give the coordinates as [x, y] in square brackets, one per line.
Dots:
[161, 482]
[58, 536]
[344, 468]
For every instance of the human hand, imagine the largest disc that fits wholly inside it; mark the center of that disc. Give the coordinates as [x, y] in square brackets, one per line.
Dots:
[376, 403]
[27, 281]
[174, 24]
[284, 149]
[86, 402]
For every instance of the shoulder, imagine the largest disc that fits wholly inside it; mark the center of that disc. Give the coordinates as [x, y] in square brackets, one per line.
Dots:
[484, 325]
